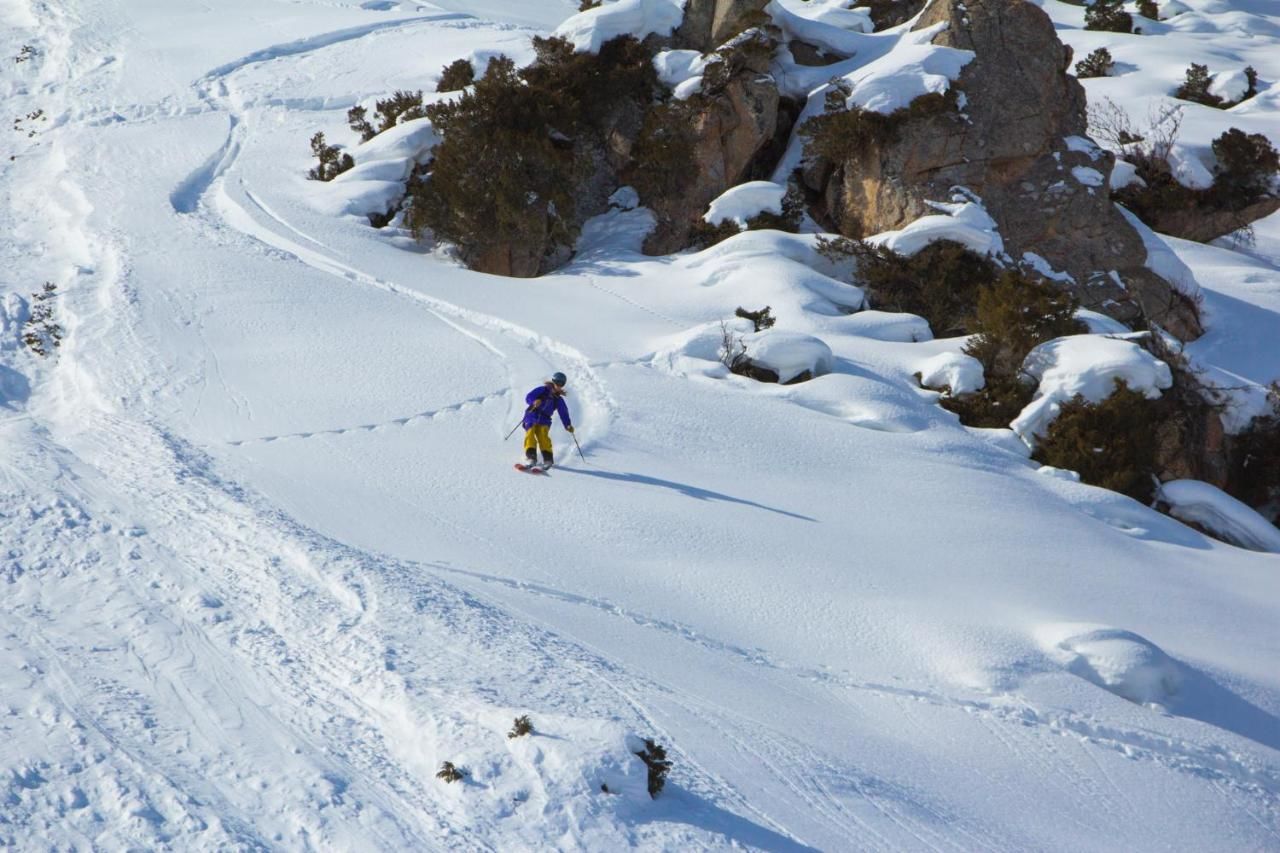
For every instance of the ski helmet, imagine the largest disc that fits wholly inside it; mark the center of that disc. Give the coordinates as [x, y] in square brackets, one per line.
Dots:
[559, 379]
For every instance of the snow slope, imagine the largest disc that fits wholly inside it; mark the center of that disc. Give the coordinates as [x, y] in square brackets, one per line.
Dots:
[266, 564]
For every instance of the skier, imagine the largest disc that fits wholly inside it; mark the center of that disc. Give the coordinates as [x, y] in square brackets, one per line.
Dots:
[543, 401]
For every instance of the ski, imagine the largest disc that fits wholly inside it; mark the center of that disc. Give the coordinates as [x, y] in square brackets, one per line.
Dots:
[529, 469]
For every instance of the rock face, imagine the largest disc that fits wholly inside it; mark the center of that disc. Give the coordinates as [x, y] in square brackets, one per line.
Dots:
[710, 23]
[1205, 225]
[1019, 142]
[730, 130]
[890, 13]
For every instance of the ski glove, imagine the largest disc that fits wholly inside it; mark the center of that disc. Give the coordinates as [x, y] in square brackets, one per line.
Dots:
[569, 428]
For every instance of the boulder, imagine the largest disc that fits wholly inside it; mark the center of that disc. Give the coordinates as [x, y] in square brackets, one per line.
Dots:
[730, 128]
[1018, 139]
[710, 23]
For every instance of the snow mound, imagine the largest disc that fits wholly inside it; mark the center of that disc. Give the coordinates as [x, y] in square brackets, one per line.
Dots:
[1231, 85]
[383, 163]
[745, 201]
[889, 326]
[954, 370]
[789, 354]
[1121, 662]
[589, 30]
[1087, 365]
[1222, 515]
[964, 222]
[410, 141]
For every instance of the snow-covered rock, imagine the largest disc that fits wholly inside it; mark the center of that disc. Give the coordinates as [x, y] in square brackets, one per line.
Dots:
[1121, 662]
[681, 70]
[960, 373]
[1222, 515]
[745, 201]
[1231, 85]
[789, 354]
[588, 30]
[964, 222]
[1124, 174]
[1088, 366]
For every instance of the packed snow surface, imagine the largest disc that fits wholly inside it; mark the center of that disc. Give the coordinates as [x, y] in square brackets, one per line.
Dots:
[266, 565]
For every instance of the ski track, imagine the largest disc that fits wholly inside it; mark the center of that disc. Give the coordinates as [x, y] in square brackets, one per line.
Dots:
[322, 642]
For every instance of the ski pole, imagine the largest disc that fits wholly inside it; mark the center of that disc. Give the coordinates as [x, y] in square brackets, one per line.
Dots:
[579, 446]
[514, 428]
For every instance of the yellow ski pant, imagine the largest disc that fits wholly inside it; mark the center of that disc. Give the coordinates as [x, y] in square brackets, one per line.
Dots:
[538, 435]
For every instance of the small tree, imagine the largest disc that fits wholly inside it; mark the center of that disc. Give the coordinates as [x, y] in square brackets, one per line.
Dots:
[449, 773]
[401, 106]
[655, 758]
[761, 320]
[522, 726]
[1196, 87]
[458, 74]
[1096, 64]
[1014, 316]
[1149, 10]
[333, 161]
[1108, 16]
[1247, 163]
[1250, 75]
[42, 333]
[357, 118]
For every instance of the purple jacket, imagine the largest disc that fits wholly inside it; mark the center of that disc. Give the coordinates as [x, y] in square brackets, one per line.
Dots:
[550, 402]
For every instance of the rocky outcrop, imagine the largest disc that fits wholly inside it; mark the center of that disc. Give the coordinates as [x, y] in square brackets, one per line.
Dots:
[1018, 141]
[1202, 225]
[730, 130]
[890, 13]
[710, 23]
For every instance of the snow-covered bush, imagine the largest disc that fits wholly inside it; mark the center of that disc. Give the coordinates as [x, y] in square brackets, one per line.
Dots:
[1013, 315]
[654, 756]
[753, 48]
[1096, 64]
[1110, 444]
[450, 773]
[1247, 164]
[842, 132]
[1195, 87]
[940, 282]
[402, 106]
[42, 333]
[745, 208]
[457, 75]
[521, 727]
[1108, 16]
[1174, 193]
[664, 151]
[332, 160]
[516, 149]
[761, 320]
[1255, 461]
